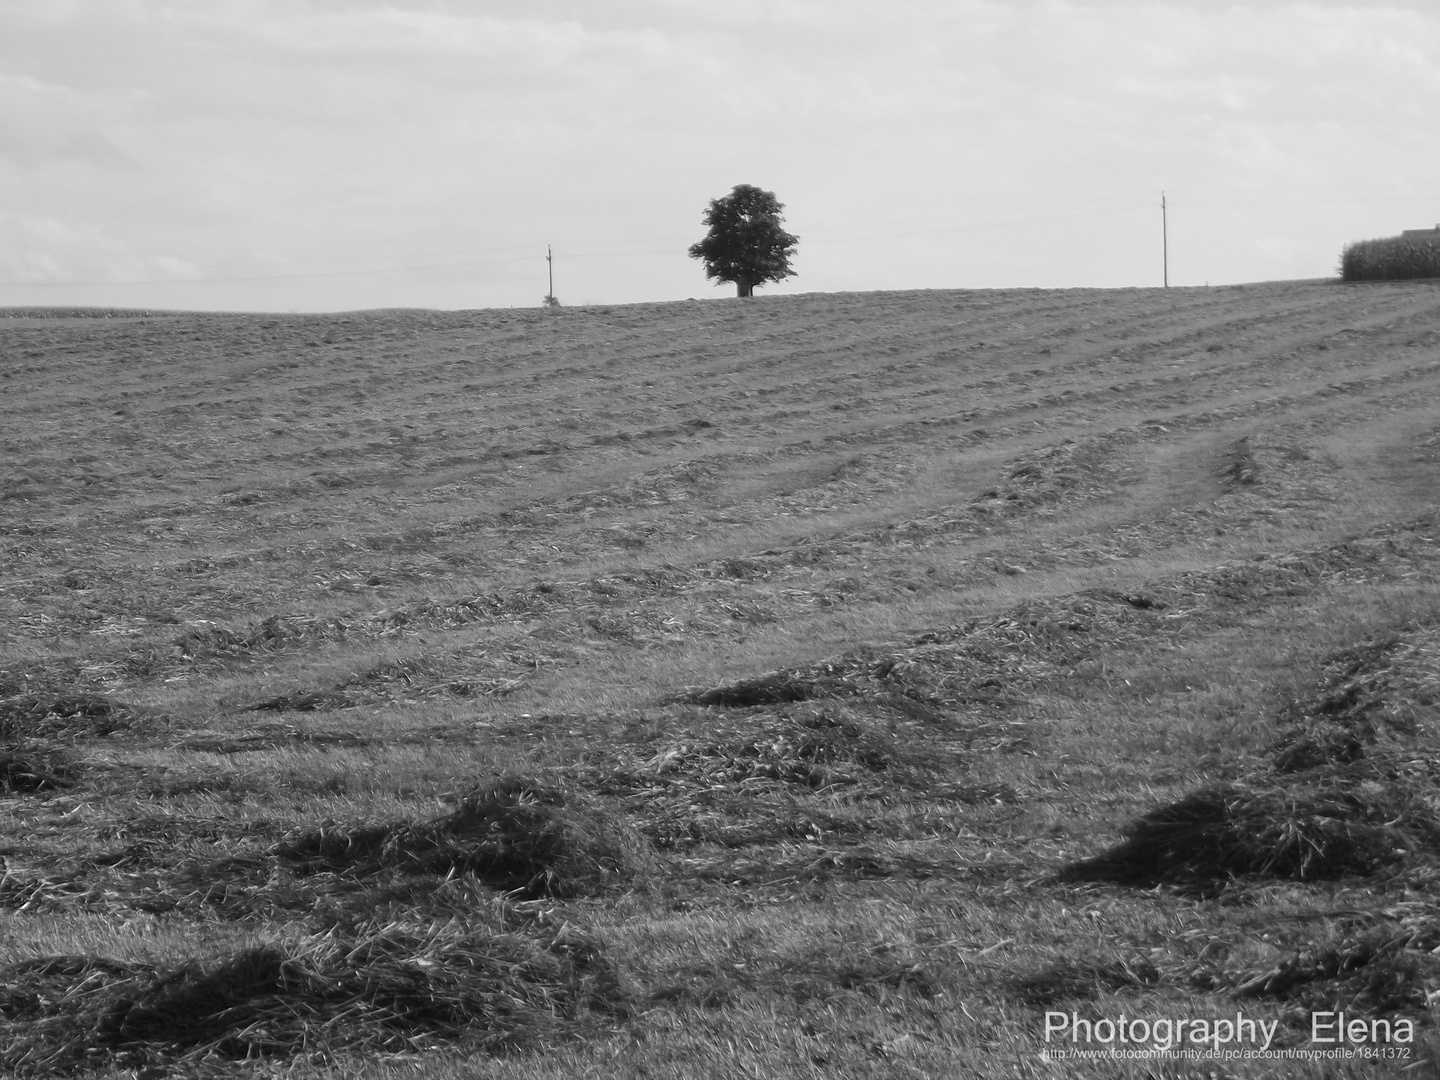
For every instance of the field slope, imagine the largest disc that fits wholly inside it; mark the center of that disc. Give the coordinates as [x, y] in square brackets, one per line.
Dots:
[825, 685]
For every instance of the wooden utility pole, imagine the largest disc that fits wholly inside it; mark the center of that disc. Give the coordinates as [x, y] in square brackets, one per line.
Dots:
[1165, 238]
[550, 265]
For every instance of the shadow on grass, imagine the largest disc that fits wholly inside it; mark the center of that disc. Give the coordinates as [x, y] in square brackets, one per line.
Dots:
[1082, 979]
[1322, 830]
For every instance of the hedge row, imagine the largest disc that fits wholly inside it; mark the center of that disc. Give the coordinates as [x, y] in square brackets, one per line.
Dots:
[1391, 259]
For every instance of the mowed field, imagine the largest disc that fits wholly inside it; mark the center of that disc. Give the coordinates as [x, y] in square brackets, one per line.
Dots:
[821, 685]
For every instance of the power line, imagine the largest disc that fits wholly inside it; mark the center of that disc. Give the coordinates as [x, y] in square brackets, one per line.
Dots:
[988, 223]
[1288, 201]
[265, 277]
[1119, 204]
[328, 273]
[332, 259]
[674, 248]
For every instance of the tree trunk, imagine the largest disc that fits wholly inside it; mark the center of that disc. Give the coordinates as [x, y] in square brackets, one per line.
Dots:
[744, 288]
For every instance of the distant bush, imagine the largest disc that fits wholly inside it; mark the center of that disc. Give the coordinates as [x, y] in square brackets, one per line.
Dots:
[1391, 259]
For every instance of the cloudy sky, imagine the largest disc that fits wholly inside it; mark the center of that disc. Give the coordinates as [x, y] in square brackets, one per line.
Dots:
[336, 154]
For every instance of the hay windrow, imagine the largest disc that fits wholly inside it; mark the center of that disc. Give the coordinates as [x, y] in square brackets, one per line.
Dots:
[813, 773]
[774, 688]
[1069, 469]
[814, 747]
[204, 640]
[316, 701]
[469, 675]
[65, 714]
[247, 889]
[1379, 700]
[1387, 968]
[28, 769]
[987, 662]
[1350, 790]
[1321, 831]
[993, 660]
[514, 833]
[394, 987]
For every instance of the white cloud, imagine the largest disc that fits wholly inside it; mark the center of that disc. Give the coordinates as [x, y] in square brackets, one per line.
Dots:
[344, 135]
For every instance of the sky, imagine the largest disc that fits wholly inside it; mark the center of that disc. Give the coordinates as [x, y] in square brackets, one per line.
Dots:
[324, 155]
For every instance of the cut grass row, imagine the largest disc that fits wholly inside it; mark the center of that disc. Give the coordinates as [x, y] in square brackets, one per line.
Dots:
[779, 804]
[833, 719]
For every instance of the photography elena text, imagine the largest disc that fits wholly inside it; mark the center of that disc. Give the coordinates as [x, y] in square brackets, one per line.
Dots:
[1161, 1034]
[1329, 1027]
[1165, 1033]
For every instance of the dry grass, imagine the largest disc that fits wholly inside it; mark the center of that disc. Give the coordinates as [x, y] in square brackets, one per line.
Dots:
[814, 687]
[1078, 980]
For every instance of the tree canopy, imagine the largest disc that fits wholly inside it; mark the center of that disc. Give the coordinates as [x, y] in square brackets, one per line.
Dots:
[746, 244]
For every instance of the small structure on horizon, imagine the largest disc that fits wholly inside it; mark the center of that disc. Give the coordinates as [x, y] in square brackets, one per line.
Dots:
[1416, 234]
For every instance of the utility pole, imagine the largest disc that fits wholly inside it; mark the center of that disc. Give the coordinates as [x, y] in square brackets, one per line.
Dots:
[1165, 238]
[550, 265]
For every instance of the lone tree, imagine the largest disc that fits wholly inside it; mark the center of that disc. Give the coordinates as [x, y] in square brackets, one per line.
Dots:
[746, 244]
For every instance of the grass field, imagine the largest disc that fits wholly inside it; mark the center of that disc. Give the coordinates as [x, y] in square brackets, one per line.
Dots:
[824, 685]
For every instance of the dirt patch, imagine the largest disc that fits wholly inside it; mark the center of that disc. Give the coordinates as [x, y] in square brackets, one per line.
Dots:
[380, 988]
[513, 833]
